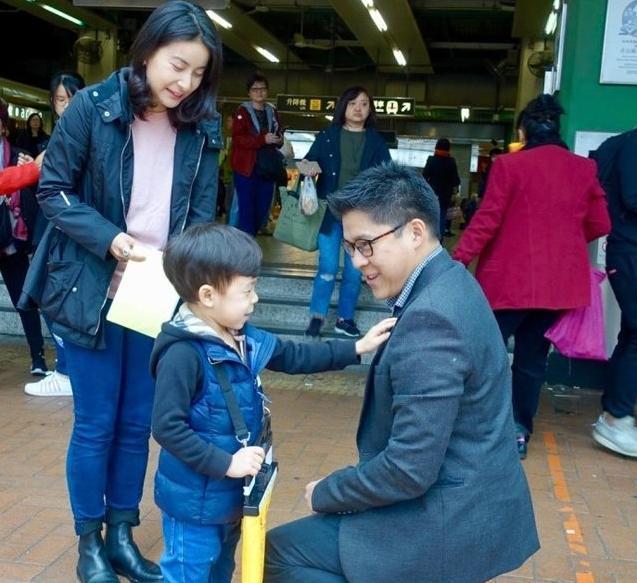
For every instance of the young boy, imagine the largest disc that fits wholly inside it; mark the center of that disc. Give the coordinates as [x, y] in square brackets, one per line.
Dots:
[198, 485]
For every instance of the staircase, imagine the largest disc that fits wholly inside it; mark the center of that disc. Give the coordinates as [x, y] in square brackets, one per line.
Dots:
[284, 296]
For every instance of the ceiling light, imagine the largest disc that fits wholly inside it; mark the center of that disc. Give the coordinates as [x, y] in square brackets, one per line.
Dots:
[268, 55]
[378, 19]
[400, 58]
[218, 19]
[368, 3]
[551, 24]
[329, 117]
[556, 5]
[465, 113]
[62, 14]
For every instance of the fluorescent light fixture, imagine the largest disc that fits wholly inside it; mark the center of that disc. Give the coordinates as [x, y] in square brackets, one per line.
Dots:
[465, 113]
[400, 58]
[368, 3]
[378, 19]
[218, 19]
[329, 117]
[62, 14]
[551, 24]
[267, 54]
[556, 5]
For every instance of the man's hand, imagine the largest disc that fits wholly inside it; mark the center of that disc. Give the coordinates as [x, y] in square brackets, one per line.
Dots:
[309, 490]
[376, 336]
[24, 159]
[246, 462]
[39, 160]
[123, 248]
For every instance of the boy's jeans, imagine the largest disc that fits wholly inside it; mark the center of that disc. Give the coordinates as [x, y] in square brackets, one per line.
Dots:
[329, 246]
[198, 554]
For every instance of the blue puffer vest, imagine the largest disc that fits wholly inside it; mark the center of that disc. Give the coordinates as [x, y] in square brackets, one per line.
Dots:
[180, 491]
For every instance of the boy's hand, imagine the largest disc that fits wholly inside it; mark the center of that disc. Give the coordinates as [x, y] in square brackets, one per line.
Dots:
[246, 462]
[376, 336]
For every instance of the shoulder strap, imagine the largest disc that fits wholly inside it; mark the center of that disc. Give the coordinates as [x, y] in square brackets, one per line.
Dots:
[241, 431]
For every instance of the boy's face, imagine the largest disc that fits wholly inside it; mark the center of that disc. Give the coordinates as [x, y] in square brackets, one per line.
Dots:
[232, 308]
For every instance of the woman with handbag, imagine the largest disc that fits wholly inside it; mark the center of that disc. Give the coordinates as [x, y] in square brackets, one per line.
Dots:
[15, 244]
[256, 161]
[132, 162]
[541, 207]
[348, 146]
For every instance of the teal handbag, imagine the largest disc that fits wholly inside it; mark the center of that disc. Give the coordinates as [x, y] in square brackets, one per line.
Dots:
[293, 227]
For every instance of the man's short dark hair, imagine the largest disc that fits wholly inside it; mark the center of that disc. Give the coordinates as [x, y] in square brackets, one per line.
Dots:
[209, 254]
[257, 77]
[390, 194]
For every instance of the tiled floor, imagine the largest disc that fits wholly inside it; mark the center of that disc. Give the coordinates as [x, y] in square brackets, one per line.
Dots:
[585, 498]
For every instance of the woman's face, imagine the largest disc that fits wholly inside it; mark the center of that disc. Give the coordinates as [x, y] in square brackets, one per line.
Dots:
[35, 123]
[61, 100]
[175, 71]
[357, 110]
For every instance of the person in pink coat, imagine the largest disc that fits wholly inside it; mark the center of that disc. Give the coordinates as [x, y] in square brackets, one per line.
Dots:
[542, 206]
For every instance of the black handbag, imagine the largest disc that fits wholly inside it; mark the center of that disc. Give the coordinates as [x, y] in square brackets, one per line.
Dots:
[6, 226]
[270, 165]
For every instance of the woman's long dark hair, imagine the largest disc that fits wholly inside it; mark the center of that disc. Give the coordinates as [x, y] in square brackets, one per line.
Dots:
[172, 22]
[540, 121]
[348, 95]
[41, 132]
[70, 80]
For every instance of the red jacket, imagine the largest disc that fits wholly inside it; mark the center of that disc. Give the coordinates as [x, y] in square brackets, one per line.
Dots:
[246, 141]
[541, 208]
[15, 178]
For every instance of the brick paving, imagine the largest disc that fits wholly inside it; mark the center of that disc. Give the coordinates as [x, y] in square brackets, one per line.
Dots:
[585, 498]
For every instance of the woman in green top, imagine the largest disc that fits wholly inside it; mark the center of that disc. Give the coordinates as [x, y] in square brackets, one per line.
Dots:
[348, 146]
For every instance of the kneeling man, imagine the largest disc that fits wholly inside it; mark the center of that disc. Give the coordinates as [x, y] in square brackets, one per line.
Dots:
[438, 494]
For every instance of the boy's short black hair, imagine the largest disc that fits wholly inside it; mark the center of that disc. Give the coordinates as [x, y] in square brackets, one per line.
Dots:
[209, 254]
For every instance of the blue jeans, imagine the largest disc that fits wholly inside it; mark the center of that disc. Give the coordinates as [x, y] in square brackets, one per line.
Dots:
[198, 554]
[254, 196]
[329, 247]
[112, 403]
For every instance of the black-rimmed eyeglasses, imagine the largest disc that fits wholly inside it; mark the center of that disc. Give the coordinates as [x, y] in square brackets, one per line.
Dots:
[366, 246]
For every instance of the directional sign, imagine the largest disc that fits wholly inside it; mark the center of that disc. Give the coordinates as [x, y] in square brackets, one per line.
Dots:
[385, 106]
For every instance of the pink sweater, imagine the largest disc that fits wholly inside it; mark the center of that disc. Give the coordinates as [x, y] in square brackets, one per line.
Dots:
[148, 217]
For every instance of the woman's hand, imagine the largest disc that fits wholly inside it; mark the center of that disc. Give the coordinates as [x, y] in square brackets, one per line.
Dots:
[38, 161]
[125, 248]
[24, 159]
[307, 168]
[271, 138]
[246, 462]
[376, 336]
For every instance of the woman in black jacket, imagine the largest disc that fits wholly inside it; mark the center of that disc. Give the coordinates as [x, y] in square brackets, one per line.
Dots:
[348, 146]
[132, 162]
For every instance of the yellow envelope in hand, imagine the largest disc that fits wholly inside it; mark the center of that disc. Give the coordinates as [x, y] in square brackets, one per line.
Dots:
[145, 298]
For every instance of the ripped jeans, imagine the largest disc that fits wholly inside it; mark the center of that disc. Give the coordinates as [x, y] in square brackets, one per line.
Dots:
[329, 247]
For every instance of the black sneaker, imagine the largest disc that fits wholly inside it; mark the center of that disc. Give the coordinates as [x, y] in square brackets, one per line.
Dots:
[38, 366]
[347, 327]
[314, 329]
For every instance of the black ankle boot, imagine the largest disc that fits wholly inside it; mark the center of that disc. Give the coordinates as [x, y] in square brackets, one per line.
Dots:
[125, 557]
[93, 565]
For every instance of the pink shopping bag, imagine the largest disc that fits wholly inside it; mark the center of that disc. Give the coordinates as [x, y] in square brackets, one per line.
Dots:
[579, 333]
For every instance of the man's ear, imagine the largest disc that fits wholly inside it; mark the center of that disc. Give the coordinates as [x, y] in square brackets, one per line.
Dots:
[418, 232]
[207, 296]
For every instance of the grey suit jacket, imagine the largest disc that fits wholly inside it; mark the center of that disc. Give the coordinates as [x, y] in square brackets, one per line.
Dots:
[438, 494]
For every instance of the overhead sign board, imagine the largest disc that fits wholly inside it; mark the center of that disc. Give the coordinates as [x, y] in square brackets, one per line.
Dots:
[390, 106]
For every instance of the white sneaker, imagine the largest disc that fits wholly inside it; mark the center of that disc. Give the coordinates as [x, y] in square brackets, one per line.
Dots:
[53, 385]
[618, 435]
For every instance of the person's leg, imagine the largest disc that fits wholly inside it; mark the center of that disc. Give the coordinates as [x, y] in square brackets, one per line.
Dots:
[224, 566]
[129, 458]
[14, 271]
[245, 194]
[325, 279]
[529, 364]
[233, 215]
[620, 394]
[350, 289]
[304, 551]
[443, 220]
[95, 377]
[263, 203]
[190, 551]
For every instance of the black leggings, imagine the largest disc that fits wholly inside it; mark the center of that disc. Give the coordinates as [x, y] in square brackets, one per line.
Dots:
[13, 269]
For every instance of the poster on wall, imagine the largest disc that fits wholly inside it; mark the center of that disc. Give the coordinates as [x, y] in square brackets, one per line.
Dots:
[619, 53]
